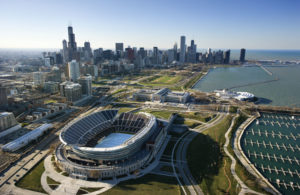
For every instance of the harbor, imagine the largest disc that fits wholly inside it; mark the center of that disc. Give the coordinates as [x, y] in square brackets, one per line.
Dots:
[272, 144]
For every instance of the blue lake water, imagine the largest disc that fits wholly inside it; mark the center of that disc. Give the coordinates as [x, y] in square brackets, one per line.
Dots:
[113, 139]
[283, 92]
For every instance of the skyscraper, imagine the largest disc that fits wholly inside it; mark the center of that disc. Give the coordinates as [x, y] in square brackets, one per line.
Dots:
[119, 47]
[65, 51]
[142, 52]
[72, 46]
[88, 55]
[74, 71]
[227, 57]
[175, 51]
[171, 56]
[242, 55]
[155, 55]
[182, 49]
[192, 50]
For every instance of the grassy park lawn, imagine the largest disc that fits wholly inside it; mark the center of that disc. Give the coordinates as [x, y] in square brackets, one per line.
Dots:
[50, 101]
[208, 163]
[125, 109]
[203, 117]
[192, 81]
[87, 190]
[187, 122]
[52, 183]
[159, 114]
[32, 180]
[161, 80]
[149, 184]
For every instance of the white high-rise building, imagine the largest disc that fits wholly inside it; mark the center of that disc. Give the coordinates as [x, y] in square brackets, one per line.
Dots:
[86, 84]
[74, 71]
[182, 49]
[38, 78]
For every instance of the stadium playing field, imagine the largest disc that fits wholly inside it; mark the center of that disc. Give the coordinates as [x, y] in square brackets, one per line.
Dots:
[113, 139]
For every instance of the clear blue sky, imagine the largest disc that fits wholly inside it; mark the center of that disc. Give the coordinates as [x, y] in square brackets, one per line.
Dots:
[253, 24]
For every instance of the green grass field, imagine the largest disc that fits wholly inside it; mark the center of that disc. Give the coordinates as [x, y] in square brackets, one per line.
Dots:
[147, 185]
[203, 117]
[192, 81]
[159, 114]
[50, 101]
[208, 163]
[125, 109]
[32, 180]
[87, 190]
[187, 122]
[161, 80]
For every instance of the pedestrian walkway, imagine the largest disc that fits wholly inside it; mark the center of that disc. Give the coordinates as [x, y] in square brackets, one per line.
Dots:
[70, 185]
[244, 188]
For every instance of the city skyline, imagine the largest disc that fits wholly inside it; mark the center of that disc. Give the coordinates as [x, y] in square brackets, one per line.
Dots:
[215, 24]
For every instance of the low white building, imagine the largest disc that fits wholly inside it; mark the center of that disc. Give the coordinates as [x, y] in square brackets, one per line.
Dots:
[26, 139]
[162, 95]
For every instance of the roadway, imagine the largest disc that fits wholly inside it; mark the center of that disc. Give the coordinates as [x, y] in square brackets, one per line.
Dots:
[181, 162]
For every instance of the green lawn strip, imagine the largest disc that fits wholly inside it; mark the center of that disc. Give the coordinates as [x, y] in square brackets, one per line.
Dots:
[83, 190]
[52, 181]
[65, 174]
[203, 117]
[176, 88]
[159, 114]
[184, 121]
[32, 180]
[118, 91]
[206, 160]
[125, 109]
[218, 131]
[50, 101]
[192, 81]
[162, 80]
[149, 184]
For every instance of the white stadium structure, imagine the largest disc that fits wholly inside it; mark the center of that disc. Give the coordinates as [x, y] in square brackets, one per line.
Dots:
[240, 95]
[105, 144]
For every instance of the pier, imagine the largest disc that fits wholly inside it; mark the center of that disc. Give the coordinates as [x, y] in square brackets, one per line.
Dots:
[265, 69]
[286, 148]
[254, 83]
[270, 158]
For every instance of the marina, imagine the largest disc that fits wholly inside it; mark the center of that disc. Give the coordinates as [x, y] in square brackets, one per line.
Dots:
[272, 144]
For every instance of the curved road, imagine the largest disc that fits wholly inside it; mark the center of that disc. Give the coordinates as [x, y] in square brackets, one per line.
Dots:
[181, 162]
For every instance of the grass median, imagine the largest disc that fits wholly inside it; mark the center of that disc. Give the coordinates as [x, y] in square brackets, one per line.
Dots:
[149, 184]
[32, 180]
